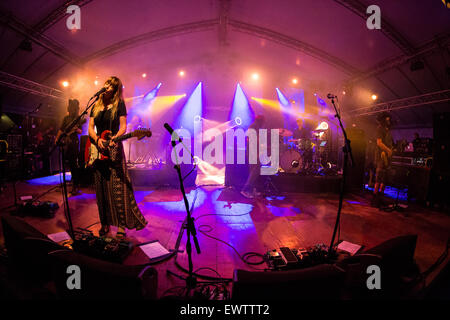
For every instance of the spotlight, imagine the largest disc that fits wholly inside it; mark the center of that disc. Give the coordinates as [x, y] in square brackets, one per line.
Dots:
[25, 45]
[343, 92]
[374, 97]
[196, 160]
[255, 76]
[417, 65]
[323, 126]
[238, 121]
[96, 82]
[65, 84]
[294, 81]
[144, 75]
[181, 73]
[197, 118]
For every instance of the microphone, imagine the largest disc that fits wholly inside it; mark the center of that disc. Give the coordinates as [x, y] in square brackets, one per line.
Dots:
[99, 92]
[171, 131]
[331, 96]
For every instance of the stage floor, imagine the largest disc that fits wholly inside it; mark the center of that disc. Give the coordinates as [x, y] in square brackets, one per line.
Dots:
[258, 225]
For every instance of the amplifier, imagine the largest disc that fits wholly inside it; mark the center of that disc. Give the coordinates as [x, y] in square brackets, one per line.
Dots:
[14, 143]
[420, 161]
[402, 160]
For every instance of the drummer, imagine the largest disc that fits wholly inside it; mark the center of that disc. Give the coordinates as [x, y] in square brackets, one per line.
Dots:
[301, 132]
[303, 135]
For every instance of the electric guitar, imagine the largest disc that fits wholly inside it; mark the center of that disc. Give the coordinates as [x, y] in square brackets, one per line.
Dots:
[92, 153]
[386, 158]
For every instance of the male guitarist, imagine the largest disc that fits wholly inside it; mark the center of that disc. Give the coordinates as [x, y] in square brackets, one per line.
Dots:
[382, 157]
[71, 143]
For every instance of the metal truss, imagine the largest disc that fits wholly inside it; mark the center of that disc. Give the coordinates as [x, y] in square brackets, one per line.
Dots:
[28, 86]
[30, 33]
[153, 36]
[224, 14]
[417, 101]
[238, 26]
[391, 63]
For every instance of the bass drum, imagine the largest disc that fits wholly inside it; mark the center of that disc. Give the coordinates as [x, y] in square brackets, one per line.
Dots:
[291, 161]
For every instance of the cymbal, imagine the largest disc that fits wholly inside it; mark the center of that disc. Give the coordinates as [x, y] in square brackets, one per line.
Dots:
[285, 133]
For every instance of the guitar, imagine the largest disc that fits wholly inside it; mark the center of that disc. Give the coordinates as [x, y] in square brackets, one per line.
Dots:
[92, 153]
[386, 158]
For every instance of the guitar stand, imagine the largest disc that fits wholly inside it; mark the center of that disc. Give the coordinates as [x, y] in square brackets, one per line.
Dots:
[270, 189]
[395, 206]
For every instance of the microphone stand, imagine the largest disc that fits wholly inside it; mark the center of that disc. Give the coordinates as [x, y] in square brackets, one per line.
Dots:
[191, 280]
[347, 152]
[60, 145]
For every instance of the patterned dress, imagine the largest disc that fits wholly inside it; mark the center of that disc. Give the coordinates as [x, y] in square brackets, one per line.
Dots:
[115, 199]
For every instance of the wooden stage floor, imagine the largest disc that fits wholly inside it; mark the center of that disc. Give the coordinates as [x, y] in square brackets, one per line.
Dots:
[292, 220]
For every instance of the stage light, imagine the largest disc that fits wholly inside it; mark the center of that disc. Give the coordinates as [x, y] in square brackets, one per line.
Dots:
[282, 98]
[144, 75]
[238, 121]
[294, 81]
[197, 118]
[96, 82]
[241, 108]
[315, 94]
[255, 76]
[374, 97]
[181, 73]
[65, 84]
[322, 126]
[152, 94]
[343, 92]
[191, 110]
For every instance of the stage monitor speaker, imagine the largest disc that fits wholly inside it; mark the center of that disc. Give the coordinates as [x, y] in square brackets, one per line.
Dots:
[103, 280]
[395, 257]
[441, 156]
[441, 127]
[358, 144]
[319, 282]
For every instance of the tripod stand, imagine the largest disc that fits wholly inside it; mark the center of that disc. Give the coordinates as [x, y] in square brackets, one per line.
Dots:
[270, 190]
[191, 280]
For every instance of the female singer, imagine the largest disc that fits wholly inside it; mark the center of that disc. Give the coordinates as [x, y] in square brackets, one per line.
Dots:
[115, 199]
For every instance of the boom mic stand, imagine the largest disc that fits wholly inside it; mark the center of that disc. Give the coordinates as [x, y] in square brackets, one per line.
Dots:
[59, 145]
[191, 280]
[347, 151]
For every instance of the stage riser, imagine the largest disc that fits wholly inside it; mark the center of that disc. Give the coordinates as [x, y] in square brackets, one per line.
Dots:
[166, 176]
[306, 184]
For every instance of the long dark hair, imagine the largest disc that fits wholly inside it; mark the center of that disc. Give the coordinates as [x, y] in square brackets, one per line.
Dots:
[117, 97]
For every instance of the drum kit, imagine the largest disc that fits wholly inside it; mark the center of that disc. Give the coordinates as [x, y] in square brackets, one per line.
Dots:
[304, 155]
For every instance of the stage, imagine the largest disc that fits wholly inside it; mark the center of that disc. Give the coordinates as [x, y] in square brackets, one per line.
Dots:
[288, 219]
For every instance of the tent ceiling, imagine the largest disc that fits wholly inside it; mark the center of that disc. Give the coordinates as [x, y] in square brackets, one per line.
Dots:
[325, 42]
